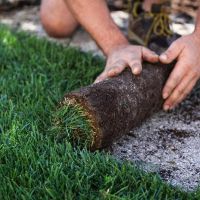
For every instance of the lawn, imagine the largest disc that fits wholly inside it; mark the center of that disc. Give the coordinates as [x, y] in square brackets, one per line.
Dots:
[34, 76]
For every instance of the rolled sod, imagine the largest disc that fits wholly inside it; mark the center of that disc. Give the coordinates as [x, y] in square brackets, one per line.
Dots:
[112, 108]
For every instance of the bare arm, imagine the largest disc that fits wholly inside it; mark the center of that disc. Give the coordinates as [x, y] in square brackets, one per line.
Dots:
[94, 16]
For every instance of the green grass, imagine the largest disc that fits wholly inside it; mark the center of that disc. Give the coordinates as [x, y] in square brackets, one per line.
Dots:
[34, 164]
[77, 128]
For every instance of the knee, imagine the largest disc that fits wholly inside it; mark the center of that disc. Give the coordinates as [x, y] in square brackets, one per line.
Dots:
[55, 26]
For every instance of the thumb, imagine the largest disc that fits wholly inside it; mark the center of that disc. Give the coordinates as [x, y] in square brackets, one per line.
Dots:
[171, 53]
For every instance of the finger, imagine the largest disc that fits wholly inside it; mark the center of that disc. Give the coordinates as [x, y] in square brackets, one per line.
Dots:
[101, 77]
[187, 91]
[178, 92]
[171, 53]
[136, 66]
[149, 55]
[117, 68]
[175, 78]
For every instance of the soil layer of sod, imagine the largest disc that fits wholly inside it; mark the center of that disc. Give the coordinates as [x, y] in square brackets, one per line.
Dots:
[116, 106]
[34, 164]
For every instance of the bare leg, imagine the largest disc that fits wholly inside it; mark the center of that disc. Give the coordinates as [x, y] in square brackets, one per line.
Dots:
[57, 19]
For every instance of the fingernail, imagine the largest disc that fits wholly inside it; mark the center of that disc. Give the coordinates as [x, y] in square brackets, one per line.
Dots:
[172, 107]
[166, 107]
[110, 72]
[97, 80]
[163, 57]
[165, 95]
[136, 70]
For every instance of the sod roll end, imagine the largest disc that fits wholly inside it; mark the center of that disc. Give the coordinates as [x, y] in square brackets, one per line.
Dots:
[115, 106]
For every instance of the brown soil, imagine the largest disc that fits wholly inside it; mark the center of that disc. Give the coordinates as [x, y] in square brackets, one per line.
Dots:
[122, 103]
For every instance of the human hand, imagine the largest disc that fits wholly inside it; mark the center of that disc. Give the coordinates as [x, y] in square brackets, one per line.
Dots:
[126, 56]
[186, 71]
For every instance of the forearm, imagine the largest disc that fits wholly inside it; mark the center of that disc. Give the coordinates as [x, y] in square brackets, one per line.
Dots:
[197, 26]
[94, 16]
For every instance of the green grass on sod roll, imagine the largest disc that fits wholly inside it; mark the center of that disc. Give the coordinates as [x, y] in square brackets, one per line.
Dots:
[76, 128]
[34, 163]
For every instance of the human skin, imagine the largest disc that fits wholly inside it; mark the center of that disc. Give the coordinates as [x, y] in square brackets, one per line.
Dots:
[57, 19]
[94, 16]
[186, 72]
[120, 54]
